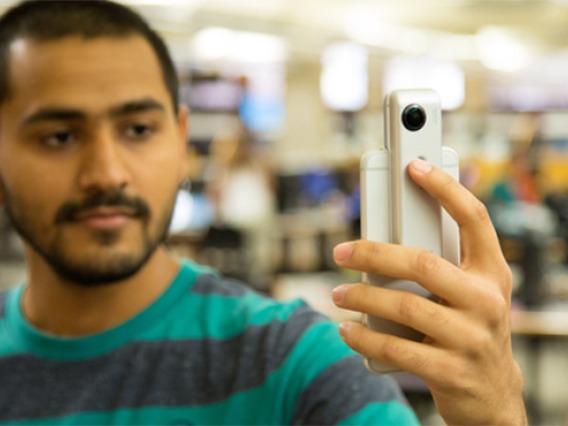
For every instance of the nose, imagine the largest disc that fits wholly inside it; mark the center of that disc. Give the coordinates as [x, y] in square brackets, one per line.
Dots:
[103, 164]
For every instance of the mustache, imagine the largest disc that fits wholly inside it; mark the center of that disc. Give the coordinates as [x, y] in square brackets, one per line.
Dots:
[70, 210]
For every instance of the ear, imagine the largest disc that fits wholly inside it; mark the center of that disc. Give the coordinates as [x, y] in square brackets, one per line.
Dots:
[183, 132]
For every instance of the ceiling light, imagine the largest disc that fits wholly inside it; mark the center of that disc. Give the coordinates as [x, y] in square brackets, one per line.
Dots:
[344, 77]
[409, 72]
[212, 43]
[500, 51]
[216, 43]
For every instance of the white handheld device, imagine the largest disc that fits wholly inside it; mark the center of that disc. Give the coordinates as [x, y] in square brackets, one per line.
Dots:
[393, 208]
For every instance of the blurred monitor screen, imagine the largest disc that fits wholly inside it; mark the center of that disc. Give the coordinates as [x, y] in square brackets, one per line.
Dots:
[215, 94]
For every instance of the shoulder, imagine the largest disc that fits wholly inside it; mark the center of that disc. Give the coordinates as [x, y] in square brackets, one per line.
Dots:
[211, 283]
[230, 297]
[305, 354]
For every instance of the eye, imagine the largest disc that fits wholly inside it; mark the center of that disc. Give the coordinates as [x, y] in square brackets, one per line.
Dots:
[59, 138]
[139, 131]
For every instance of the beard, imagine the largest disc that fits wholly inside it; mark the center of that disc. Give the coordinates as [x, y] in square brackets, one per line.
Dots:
[103, 265]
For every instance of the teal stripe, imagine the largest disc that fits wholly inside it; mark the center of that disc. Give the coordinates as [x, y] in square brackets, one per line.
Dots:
[151, 416]
[392, 413]
[387, 413]
[208, 316]
[218, 317]
[30, 339]
[7, 346]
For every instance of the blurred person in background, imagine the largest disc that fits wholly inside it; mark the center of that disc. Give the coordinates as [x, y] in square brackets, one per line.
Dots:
[516, 204]
[242, 191]
[111, 328]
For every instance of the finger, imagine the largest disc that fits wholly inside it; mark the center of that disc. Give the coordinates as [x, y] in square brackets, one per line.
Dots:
[437, 275]
[413, 357]
[437, 321]
[479, 241]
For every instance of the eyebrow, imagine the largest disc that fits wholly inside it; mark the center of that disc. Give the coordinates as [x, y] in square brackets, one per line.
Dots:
[71, 114]
[134, 107]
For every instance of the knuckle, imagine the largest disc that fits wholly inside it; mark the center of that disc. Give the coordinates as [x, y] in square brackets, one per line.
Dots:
[454, 370]
[367, 252]
[498, 315]
[446, 185]
[436, 314]
[446, 181]
[500, 304]
[425, 263]
[413, 310]
[492, 323]
[358, 296]
[356, 340]
[363, 341]
[507, 278]
[391, 350]
[374, 252]
[479, 212]
[460, 377]
[396, 353]
[408, 306]
[495, 307]
[477, 344]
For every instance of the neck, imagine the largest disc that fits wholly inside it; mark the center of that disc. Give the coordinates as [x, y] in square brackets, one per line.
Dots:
[68, 309]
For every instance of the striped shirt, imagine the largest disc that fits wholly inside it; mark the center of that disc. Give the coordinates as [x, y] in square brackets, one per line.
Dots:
[207, 351]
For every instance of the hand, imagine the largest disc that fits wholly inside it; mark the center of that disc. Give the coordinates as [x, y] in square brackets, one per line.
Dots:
[466, 357]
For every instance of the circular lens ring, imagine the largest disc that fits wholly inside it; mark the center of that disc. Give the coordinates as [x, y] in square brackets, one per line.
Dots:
[414, 117]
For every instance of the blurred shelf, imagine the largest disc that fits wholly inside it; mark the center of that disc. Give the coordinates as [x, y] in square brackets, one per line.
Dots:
[540, 323]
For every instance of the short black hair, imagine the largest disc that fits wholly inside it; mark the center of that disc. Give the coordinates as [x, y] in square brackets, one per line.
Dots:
[48, 20]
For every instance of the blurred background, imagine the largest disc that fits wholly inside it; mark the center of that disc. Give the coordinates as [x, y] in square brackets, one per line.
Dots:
[286, 96]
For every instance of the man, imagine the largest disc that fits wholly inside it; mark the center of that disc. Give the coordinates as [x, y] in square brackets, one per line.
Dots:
[112, 329]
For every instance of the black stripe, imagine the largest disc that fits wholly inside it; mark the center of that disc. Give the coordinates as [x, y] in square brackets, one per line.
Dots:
[212, 284]
[3, 298]
[167, 373]
[315, 407]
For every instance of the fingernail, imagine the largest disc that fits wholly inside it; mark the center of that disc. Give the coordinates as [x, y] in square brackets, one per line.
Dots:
[343, 251]
[421, 166]
[344, 329]
[338, 293]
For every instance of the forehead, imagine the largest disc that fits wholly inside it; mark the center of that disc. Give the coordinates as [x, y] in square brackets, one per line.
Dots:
[83, 71]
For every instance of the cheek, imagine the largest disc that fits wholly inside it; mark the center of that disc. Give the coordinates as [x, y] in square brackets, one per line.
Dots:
[32, 197]
[31, 206]
[158, 182]
[34, 178]
[161, 165]
[163, 193]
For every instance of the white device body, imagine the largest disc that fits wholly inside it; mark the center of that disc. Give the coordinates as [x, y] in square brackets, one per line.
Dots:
[395, 210]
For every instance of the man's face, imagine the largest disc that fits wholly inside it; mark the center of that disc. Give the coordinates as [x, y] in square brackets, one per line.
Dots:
[91, 154]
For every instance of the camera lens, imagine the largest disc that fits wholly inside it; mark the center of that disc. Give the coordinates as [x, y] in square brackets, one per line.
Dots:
[413, 117]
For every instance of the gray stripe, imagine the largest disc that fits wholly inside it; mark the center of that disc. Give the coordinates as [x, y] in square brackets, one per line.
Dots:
[3, 297]
[167, 373]
[211, 284]
[315, 406]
